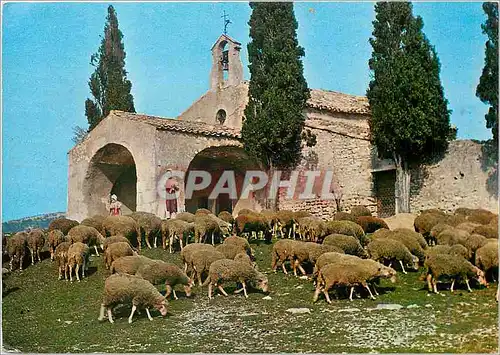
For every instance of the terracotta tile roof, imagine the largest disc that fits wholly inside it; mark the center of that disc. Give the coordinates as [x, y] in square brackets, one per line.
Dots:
[171, 124]
[338, 102]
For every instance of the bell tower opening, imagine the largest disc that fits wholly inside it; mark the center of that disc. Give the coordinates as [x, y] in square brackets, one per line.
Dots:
[227, 69]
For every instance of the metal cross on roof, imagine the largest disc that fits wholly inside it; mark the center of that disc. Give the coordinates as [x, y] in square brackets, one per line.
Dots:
[226, 21]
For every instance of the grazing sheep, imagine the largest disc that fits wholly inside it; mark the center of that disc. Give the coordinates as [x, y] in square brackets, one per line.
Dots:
[358, 211]
[464, 211]
[331, 257]
[347, 243]
[16, 248]
[487, 259]
[204, 225]
[312, 229]
[224, 228]
[466, 226]
[123, 226]
[488, 231]
[115, 251]
[114, 239]
[315, 253]
[241, 242]
[149, 226]
[226, 217]
[417, 236]
[349, 274]
[410, 242]
[282, 251]
[159, 272]
[244, 258]
[202, 259]
[87, 235]
[78, 257]
[431, 237]
[454, 220]
[252, 224]
[225, 270]
[230, 250]
[457, 249]
[451, 266]
[35, 242]
[185, 216]
[272, 220]
[54, 238]
[187, 254]
[452, 236]
[371, 224]
[63, 224]
[473, 243]
[389, 250]
[302, 252]
[129, 264]
[347, 228]
[286, 223]
[175, 229]
[480, 216]
[94, 221]
[425, 221]
[61, 257]
[344, 216]
[123, 288]
[202, 212]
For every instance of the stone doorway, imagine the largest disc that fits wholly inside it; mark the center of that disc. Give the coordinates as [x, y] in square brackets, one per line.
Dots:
[112, 170]
[384, 182]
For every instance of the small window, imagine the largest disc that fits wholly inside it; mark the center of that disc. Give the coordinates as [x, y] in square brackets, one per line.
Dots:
[221, 116]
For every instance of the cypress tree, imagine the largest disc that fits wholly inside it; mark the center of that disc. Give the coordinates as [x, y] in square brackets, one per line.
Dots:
[273, 117]
[410, 119]
[108, 83]
[487, 89]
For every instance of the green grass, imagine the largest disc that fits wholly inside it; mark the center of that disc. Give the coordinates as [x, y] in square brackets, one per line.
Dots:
[41, 314]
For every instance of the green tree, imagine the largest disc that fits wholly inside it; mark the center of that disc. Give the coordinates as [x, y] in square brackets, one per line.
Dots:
[274, 117]
[108, 83]
[487, 89]
[410, 119]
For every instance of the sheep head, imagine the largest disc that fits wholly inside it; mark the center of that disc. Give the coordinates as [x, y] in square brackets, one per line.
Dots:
[480, 277]
[262, 282]
[161, 305]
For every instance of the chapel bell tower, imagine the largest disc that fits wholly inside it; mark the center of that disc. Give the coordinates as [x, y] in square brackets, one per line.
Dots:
[227, 69]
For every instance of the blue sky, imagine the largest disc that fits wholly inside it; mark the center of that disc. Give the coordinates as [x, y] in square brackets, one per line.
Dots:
[45, 70]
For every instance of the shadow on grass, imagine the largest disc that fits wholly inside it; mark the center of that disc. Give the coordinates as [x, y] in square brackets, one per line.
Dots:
[9, 291]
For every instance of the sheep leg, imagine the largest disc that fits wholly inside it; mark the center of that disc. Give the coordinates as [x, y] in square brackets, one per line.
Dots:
[32, 252]
[327, 296]
[101, 312]
[390, 264]
[155, 241]
[352, 290]
[146, 236]
[302, 269]
[213, 239]
[51, 254]
[60, 273]
[375, 290]
[180, 242]
[210, 291]
[171, 243]
[316, 293]
[175, 296]
[199, 278]
[368, 288]
[70, 273]
[429, 284]
[134, 307]
[284, 268]
[452, 284]
[168, 291]
[221, 289]
[96, 251]
[38, 254]
[434, 285]
[468, 286]
[147, 312]
[10, 264]
[110, 316]
[77, 269]
[402, 267]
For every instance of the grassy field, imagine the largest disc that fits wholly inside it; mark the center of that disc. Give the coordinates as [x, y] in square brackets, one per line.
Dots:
[41, 314]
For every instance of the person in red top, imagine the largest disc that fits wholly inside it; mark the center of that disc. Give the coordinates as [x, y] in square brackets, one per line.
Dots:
[171, 187]
[115, 207]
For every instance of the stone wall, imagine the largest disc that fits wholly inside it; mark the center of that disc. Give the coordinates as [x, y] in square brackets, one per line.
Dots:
[458, 180]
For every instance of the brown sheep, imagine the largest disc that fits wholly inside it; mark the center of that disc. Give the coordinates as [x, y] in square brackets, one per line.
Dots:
[63, 224]
[35, 242]
[282, 251]
[78, 257]
[16, 248]
[114, 239]
[124, 226]
[202, 260]
[115, 251]
[87, 235]
[61, 257]
[187, 254]
[55, 238]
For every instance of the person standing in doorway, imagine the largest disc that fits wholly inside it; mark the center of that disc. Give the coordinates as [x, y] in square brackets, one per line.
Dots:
[171, 188]
[115, 207]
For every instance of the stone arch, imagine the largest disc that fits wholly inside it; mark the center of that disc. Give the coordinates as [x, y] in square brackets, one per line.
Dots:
[215, 160]
[112, 170]
[221, 116]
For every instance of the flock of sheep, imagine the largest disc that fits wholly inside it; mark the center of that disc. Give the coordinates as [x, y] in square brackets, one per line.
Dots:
[348, 251]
